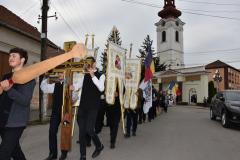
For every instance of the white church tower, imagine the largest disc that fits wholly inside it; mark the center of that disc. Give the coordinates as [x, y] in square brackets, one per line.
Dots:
[170, 36]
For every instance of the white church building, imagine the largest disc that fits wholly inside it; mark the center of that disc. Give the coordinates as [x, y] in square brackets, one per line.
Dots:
[191, 83]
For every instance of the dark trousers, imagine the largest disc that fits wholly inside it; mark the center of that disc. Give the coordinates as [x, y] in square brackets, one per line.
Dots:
[100, 117]
[86, 121]
[151, 114]
[99, 121]
[88, 139]
[10, 147]
[132, 118]
[114, 115]
[165, 107]
[155, 105]
[141, 115]
[53, 130]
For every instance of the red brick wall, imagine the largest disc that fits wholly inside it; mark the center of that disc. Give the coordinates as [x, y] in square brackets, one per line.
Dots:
[210, 77]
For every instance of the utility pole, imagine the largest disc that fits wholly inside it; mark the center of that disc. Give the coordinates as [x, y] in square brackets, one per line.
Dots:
[130, 51]
[44, 45]
[44, 18]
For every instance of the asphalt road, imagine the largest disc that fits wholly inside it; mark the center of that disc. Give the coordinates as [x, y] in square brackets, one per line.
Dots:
[184, 133]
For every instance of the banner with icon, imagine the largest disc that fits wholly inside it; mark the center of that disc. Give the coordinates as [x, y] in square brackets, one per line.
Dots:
[115, 75]
[132, 78]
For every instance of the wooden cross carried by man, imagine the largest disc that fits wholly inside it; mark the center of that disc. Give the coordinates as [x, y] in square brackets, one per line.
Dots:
[68, 117]
[33, 71]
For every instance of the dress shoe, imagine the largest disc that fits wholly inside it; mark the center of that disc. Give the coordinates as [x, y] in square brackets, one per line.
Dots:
[127, 135]
[83, 158]
[51, 157]
[89, 144]
[97, 151]
[134, 134]
[112, 146]
[63, 157]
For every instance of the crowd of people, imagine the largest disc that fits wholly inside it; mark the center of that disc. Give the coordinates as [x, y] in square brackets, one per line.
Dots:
[93, 111]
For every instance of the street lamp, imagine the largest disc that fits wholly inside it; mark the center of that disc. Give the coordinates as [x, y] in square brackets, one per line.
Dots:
[217, 78]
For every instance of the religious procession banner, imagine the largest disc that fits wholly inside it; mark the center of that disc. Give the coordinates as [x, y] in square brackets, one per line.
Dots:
[115, 75]
[147, 94]
[77, 80]
[132, 78]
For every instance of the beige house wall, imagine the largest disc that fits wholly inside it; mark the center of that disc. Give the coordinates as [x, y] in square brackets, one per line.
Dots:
[10, 39]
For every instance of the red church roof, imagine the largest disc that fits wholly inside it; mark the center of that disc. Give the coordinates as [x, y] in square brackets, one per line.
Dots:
[169, 10]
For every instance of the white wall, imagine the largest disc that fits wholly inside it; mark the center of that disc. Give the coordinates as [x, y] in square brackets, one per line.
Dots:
[200, 86]
[170, 51]
[186, 88]
[10, 39]
[204, 87]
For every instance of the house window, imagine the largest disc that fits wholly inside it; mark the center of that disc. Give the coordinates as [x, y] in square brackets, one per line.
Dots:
[177, 36]
[164, 36]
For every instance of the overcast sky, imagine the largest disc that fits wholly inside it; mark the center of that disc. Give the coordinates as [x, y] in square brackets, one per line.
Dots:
[206, 38]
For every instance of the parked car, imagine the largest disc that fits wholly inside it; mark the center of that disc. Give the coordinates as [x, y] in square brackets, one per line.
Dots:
[226, 105]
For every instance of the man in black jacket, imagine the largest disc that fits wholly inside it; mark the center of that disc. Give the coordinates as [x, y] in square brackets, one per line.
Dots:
[57, 89]
[93, 85]
[14, 108]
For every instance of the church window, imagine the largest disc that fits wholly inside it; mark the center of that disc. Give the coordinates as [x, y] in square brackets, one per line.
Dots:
[164, 36]
[177, 36]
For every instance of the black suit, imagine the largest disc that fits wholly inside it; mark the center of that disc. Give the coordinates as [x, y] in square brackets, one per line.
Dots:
[55, 119]
[87, 113]
[114, 115]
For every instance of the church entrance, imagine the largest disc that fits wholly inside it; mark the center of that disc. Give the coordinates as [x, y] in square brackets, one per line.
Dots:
[192, 96]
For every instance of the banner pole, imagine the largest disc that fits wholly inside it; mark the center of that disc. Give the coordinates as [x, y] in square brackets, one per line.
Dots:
[123, 121]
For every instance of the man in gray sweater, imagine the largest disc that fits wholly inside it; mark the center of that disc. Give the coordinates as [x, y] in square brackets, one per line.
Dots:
[14, 108]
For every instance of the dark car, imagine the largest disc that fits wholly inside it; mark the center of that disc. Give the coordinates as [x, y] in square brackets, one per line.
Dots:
[226, 105]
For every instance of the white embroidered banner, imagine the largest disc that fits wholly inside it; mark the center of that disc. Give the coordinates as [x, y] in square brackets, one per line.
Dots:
[147, 94]
[132, 78]
[115, 72]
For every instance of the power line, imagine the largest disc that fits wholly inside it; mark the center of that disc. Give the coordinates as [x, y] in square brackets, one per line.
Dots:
[212, 51]
[212, 11]
[71, 29]
[211, 3]
[79, 24]
[200, 14]
[207, 54]
[70, 14]
[142, 3]
[28, 9]
[157, 6]
[204, 63]
[87, 24]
